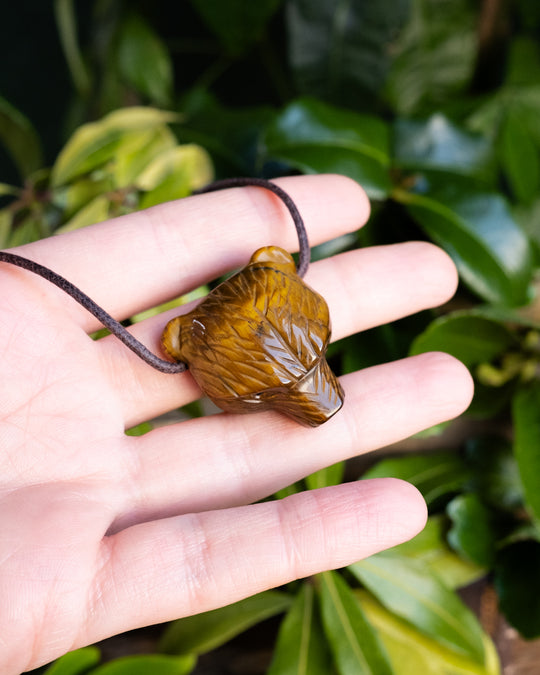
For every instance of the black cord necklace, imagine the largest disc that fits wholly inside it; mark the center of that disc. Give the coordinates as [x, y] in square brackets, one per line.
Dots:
[256, 342]
[115, 326]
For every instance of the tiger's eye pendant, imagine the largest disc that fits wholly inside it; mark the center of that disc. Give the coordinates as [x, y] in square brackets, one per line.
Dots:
[258, 342]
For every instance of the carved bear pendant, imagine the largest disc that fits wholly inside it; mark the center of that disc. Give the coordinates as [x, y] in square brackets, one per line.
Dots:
[258, 342]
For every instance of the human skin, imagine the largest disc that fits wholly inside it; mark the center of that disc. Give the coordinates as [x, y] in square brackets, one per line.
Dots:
[102, 532]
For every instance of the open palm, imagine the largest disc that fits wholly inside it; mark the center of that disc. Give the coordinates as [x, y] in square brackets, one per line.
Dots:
[102, 532]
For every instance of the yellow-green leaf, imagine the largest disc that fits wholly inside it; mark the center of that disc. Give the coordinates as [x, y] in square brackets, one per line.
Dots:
[94, 212]
[175, 174]
[95, 143]
[408, 588]
[412, 652]
[5, 226]
[137, 149]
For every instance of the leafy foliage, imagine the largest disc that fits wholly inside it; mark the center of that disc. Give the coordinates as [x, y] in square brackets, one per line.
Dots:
[436, 113]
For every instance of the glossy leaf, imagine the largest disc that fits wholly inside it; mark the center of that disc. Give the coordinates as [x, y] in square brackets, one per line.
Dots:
[144, 61]
[435, 474]
[301, 647]
[76, 662]
[330, 475]
[433, 55]
[237, 23]
[471, 339]
[143, 664]
[526, 416]
[492, 253]
[203, 632]
[318, 138]
[437, 144]
[339, 51]
[410, 590]
[517, 582]
[95, 143]
[231, 135]
[20, 139]
[413, 653]
[356, 647]
[431, 548]
[472, 533]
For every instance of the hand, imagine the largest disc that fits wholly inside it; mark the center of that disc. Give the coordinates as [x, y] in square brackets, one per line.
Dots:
[101, 532]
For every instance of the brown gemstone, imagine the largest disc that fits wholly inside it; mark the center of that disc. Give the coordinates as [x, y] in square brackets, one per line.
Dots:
[258, 342]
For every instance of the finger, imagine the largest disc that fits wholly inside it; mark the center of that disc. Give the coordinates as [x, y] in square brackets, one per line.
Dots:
[166, 569]
[139, 260]
[227, 460]
[363, 288]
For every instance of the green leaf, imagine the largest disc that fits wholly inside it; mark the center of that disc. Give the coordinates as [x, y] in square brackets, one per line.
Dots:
[94, 212]
[96, 143]
[175, 174]
[67, 29]
[301, 647]
[519, 156]
[231, 135]
[412, 653]
[339, 50]
[74, 197]
[495, 472]
[143, 664]
[203, 632]
[435, 474]
[144, 61]
[471, 339]
[76, 662]
[188, 166]
[523, 62]
[434, 55]
[526, 417]
[27, 231]
[11, 190]
[410, 590]
[20, 139]
[491, 252]
[528, 217]
[318, 138]
[330, 475]
[356, 647]
[431, 548]
[6, 218]
[136, 150]
[471, 533]
[140, 429]
[237, 23]
[436, 144]
[517, 582]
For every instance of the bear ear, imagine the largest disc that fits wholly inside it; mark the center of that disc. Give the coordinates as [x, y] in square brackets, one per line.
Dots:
[171, 339]
[274, 255]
